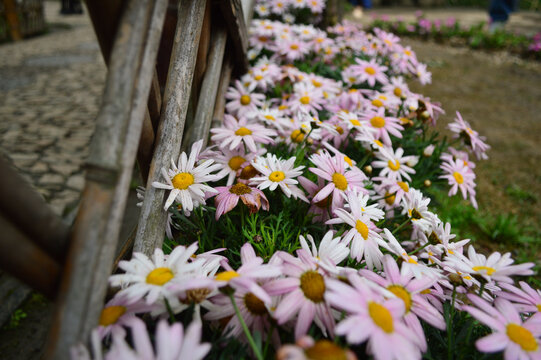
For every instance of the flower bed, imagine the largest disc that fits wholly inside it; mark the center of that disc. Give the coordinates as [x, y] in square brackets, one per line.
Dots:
[306, 232]
[451, 31]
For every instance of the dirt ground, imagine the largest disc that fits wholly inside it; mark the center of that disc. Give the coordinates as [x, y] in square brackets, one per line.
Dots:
[500, 95]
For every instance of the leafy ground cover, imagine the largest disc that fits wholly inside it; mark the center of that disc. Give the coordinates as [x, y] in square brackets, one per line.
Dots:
[476, 36]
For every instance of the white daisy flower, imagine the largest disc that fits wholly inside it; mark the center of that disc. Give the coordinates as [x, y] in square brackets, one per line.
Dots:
[277, 172]
[393, 164]
[415, 205]
[332, 251]
[186, 181]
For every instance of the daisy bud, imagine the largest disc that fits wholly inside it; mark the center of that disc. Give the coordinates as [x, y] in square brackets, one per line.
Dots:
[368, 169]
[412, 161]
[427, 183]
[455, 279]
[429, 150]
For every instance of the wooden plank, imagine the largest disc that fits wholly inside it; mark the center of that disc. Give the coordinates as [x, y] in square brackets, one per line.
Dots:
[233, 15]
[219, 106]
[146, 147]
[205, 106]
[109, 169]
[24, 260]
[151, 230]
[248, 10]
[10, 9]
[105, 16]
[41, 224]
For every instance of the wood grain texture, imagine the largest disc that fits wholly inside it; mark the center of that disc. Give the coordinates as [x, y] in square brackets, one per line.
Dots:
[151, 230]
[233, 14]
[109, 168]
[28, 211]
[219, 106]
[200, 127]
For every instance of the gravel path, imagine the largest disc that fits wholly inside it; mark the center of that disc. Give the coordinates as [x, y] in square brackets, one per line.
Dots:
[49, 97]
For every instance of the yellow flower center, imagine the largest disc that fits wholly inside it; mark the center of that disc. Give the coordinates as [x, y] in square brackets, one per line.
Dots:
[297, 136]
[458, 177]
[305, 100]
[282, 107]
[407, 52]
[248, 172]
[362, 229]
[415, 214]
[270, 117]
[347, 159]
[294, 47]
[400, 292]
[339, 129]
[394, 166]
[404, 186]
[389, 199]
[370, 70]
[378, 143]
[240, 189]
[488, 270]
[522, 336]
[325, 350]
[317, 83]
[397, 91]
[226, 275]
[340, 181]
[159, 276]
[243, 131]
[111, 314]
[377, 122]
[355, 122]
[182, 181]
[196, 296]
[313, 286]
[254, 304]
[539, 307]
[245, 100]
[377, 103]
[258, 77]
[381, 316]
[277, 176]
[235, 162]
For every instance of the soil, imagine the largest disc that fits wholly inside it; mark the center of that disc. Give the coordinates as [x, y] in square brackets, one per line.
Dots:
[500, 96]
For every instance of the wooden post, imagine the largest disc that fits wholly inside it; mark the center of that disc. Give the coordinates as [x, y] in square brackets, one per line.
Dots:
[10, 7]
[109, 169]
[152, 221]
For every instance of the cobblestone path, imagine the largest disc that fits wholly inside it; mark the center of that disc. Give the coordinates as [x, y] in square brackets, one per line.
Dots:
[50, 91]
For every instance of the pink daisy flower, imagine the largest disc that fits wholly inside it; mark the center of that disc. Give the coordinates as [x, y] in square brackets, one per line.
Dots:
[304, 288]
[471, 137]
[383, 125]
[333, 169]
[371, 72]
[307, 349]
[248, 275]
[293, 49]
[372, 318]
[321, 209]
[242, 100]
[410, 290]
[460, 177]
[525, 299]
[236, 132]
[517, 338]
[228, 197]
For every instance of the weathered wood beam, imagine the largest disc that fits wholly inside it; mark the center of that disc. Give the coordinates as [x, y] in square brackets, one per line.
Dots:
[234, 16]
[151, 230]
[27, 210]
[109, 169]
[219, 106]
[209, 88]
[20, 257]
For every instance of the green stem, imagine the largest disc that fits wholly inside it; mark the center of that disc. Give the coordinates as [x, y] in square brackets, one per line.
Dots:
[481, 289]
[267, 342]
[170, 311]
[419, 249]
[257, 353]
[450, 327]
[401, 226]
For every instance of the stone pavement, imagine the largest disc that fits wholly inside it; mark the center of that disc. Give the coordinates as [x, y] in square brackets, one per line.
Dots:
[522, 22]
[50, 92]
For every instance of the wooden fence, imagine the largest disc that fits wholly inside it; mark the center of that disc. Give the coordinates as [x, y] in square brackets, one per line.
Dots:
[169, 64]
[21, 19]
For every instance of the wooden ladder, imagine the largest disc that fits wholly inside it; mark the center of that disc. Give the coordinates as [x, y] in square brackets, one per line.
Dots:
[169, 65]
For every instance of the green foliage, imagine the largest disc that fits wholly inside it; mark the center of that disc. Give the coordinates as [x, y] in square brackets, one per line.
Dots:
[15, 320]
